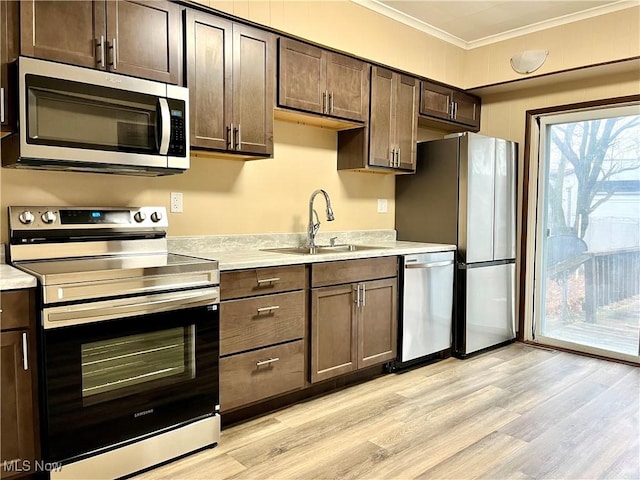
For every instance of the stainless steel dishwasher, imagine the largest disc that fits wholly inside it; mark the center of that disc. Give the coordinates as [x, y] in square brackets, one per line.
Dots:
[427, 305]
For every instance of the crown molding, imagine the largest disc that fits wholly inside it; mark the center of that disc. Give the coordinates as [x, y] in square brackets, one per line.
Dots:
[401, 17]
[410, 21]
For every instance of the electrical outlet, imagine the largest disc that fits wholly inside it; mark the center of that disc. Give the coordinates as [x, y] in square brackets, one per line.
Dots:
[382, 205]
[176, 202]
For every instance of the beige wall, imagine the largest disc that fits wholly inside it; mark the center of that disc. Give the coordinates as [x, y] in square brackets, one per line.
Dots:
[503, 115]
[605, 38]
[228, 196]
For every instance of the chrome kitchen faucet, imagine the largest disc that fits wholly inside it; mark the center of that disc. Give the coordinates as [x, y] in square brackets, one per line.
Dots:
[314, 225]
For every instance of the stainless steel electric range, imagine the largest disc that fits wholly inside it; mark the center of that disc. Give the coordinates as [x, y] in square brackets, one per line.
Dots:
[128, 340]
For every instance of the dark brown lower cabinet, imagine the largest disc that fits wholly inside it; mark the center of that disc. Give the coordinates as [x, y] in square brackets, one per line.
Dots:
[19, 447]
[353, 325]
[334, 326]
[251, 376]
[378, 322]
[262, 334]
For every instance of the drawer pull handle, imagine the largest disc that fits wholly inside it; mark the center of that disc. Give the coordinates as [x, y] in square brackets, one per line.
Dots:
[262, 281]
[268, 309]
[266, 362]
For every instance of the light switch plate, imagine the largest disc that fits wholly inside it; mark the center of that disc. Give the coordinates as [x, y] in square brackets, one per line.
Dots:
[176, 202]
[382, 205]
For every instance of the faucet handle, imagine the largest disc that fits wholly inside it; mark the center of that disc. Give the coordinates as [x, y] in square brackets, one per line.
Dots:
[332, 241]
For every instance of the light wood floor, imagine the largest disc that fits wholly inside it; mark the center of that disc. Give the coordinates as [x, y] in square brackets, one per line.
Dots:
[514, 413]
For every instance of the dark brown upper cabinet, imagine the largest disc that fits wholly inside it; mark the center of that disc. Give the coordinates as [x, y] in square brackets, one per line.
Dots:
[231, 78]
[459, 110]
[9, 50]
[389, 142]
[319, 81]
[139, 38]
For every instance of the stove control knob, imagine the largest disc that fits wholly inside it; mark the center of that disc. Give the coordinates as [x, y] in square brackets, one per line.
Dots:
[48, 217]
[156, 217]
[139, 217]
[26, 217]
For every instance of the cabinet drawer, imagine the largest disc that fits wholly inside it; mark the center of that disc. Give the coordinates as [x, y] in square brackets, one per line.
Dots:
[16, 309]
[254, 322]
[259, 281]
[249, 377]
[335, 273]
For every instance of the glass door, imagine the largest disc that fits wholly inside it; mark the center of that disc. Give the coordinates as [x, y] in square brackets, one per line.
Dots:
[587, 285]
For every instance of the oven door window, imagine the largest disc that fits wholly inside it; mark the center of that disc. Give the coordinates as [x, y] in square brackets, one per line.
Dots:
[110, 381]
[133, 364]
[64, 113]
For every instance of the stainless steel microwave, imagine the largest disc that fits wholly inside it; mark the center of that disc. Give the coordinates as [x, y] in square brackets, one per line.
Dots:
[80, 119]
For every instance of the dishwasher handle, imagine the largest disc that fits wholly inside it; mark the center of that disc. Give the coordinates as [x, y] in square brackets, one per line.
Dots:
[429, 265]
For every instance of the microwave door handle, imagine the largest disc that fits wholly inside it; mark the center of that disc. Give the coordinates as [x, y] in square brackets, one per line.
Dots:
[164, 126]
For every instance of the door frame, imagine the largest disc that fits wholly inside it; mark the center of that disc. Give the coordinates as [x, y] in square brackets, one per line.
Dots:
[531, 179]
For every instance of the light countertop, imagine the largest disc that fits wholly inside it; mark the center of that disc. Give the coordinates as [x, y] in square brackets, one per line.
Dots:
[255, 258]
[12, 279]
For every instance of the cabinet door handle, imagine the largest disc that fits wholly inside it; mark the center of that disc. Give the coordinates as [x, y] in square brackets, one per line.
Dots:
[100, 47]
[262, 281]
[392, 157]
[238, 138]
[1, 105]
[25, 352]
[364, 295]
[331, 102]
[266, 362]
[455, 110]
[230, 132]
[451, 109]
[357, 300]
[324, 102]
[269, 309]
[112, 47]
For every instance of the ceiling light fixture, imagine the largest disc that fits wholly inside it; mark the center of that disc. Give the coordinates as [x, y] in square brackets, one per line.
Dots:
[528, 61]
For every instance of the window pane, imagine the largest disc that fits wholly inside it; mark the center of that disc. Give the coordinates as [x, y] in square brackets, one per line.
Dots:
[591, 247]
[131, 364]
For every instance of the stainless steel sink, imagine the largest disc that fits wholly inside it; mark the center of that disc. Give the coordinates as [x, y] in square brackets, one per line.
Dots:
[322, 249]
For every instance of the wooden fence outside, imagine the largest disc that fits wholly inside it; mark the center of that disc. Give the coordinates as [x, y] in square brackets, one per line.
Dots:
[610, 277]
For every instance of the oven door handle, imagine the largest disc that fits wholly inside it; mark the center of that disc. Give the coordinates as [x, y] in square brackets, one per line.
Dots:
[83, 313]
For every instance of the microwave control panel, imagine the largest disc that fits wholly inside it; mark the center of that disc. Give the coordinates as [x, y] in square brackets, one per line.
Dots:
[178, 140]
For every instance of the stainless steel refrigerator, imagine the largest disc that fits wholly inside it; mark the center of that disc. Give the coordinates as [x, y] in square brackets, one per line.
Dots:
[464, 192]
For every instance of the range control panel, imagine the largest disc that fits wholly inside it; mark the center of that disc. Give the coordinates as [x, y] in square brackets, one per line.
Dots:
[63, 218]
